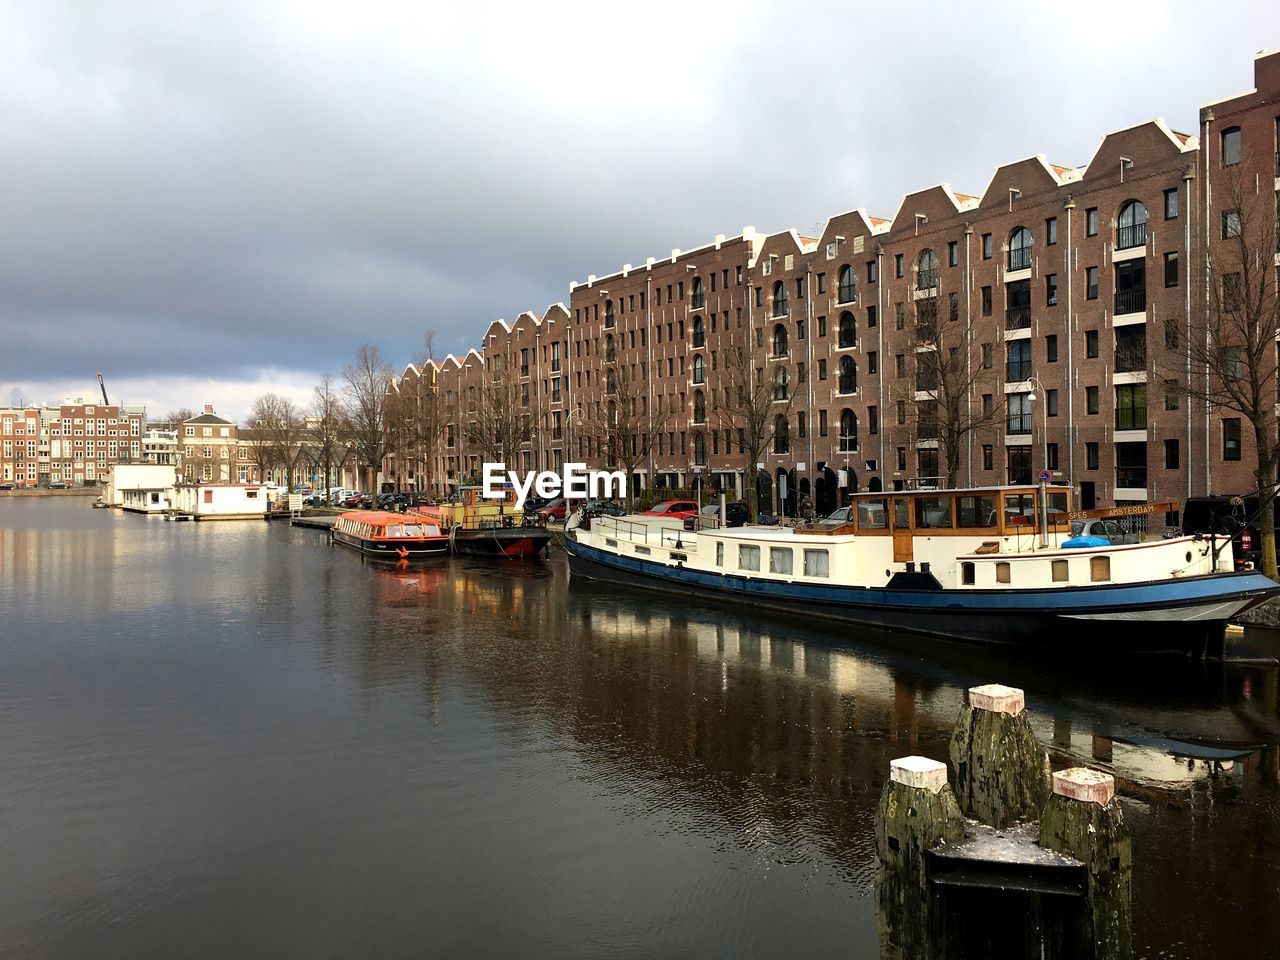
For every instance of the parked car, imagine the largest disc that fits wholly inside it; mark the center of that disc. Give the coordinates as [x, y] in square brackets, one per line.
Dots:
[356, 501]
[839, 517]
[1109, 530]
[674, 509]
[601, 508]
[557, 509]
[738, 513]
[8, 485]
[1238, 517]
[533, 504]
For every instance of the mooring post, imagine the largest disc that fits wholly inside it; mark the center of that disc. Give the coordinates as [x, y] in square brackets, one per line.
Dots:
[1082, 819]
[917, 811]
[1001, 772]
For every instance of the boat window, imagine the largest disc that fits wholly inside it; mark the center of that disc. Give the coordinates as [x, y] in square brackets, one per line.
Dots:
[413, 530]
[966, 573]
[1019, 509]
[1059, 571]
[933, 513]
[431, 530]
[720, 554]
[779, 559]
[872, 515]
[975, 512]
[393, 530]
[1099, 569]
[748, 556]
[817, 563]
[901, 514]
[1002, 572]
[643, 550]
[1057, 506]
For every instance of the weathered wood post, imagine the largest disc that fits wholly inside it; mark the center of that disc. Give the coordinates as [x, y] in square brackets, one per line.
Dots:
[1082, 819]
[1001, 771]
[917, 811]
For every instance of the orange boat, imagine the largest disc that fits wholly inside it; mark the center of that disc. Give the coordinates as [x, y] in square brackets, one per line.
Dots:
[390, 536]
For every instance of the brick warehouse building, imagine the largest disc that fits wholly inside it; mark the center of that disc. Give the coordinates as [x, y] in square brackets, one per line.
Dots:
[75, 444]
[1067, 294]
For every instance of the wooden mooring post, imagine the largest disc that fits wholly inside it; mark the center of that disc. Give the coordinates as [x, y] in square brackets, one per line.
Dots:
[1002, 861]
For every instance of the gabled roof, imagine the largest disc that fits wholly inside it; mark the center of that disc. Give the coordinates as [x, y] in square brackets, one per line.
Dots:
[210, 418]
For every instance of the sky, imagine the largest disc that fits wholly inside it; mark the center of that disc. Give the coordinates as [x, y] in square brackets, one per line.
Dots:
[206, 201]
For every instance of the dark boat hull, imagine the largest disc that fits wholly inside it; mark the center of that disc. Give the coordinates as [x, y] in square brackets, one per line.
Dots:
[501, 542]
[393, 552]
[1113, 618]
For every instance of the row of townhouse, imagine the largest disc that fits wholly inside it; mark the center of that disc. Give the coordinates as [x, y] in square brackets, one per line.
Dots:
[1068, 296]
[73, 444]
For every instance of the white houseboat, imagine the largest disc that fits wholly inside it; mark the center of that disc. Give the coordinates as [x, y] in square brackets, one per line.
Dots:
[980, 564]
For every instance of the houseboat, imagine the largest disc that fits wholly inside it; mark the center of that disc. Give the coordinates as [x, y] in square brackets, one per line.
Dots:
[489, 527]
[390, 536]
[987, 565]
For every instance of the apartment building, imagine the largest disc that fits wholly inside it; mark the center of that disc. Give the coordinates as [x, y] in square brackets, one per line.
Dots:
[75, 443]
[1066, 297]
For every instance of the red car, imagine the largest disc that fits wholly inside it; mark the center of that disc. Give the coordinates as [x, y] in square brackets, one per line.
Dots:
[555, 510]
[674, 509]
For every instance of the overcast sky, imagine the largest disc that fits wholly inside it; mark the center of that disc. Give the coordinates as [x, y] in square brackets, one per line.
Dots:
[205, 201]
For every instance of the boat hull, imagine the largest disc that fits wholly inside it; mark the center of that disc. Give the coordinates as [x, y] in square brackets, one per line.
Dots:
[393, 552]
[1185, 615]
[501, 542]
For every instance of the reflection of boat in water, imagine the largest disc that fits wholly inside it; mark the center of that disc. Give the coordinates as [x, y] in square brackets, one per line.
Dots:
[489, 528]
[390, 536]
[984, 565]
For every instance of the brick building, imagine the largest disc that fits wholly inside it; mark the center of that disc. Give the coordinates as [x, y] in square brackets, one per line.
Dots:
[1067, 295]
[74, 444]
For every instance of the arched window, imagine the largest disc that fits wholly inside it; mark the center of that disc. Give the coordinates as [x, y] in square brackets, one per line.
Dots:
[699, 369]
[781, 435]
[1020, 249]
[699, 449]
[848, 375]
[848, 330]
[927, 270]
[610, 349]
[779, 299]
[781, 384]
[848, 431]
[699, 332]
[608, 314]
[699, 299]
[779, 340]
[1131, 228]
[847, 291]
[699, 407]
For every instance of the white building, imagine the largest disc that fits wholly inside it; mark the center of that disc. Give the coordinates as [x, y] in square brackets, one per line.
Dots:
[222, 501]
[141, 487]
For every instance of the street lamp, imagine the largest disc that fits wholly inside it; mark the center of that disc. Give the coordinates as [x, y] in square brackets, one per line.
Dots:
[1044, 437]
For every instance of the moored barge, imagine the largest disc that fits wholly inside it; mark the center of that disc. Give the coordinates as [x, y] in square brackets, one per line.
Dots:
[984, 565]
[390, 536]
[489, 527]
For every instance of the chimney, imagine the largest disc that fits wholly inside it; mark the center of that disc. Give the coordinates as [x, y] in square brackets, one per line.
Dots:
[208, 408]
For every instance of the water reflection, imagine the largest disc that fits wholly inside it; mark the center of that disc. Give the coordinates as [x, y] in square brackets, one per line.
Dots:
[232, 734]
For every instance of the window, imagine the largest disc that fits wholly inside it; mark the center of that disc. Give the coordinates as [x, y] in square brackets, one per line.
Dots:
[872, 271]
[1131, 229]
[1171, 454]
[1231, 438]
[953, 253]
[986, 356]
[822, 326]
[1051, 456]
[1230, 224]
[988, 457]
[1099, 569]
[1003, 572]
[986, 301]
[873, 420]
[1091, 283]
[748, 556]
[780, 560]
[871, 362]
[822, 369]
[781, 384]
[1230, 363]
[848, 431]
[1131, 407]
[1091, 400]
[1091, 455]
[720, 553]
[699, 332]
[897, 265]
[1172, 397]
[900, 365]
[986, 246]
[848, 382]
[699, 369]
[1230, 146]
[779, 340]
[1018, 365]
[1091, 343]
[817, 563]
[780, 299]
[1051, 231]
[1171, 204]
[1019, 413]
[1051, 403]
[847, 289]
[1231, 292]
[1060, 571]
[1051, 290]
[1171, 335]
[927, 270]
[822, 422]
[1091, 222]
[781, 435]
[1020, 249]
[1171, 269]
[1051, 348]
[967, 573]
[848, 336]
[988, 404]
[871, 318]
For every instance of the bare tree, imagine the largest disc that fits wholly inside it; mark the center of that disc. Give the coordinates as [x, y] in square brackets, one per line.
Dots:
[259, 431]
[179, 416]
[501, 422]
[623, 427]
[326, 427]
[751, 400]
[954, 377]
[1232, 346]
[365, 402]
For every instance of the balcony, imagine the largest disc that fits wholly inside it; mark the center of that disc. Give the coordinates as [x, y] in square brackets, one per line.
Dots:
[1133, 235]
[1015, 371]
[780, 308]
[846, 293]
[1019, 424]
[699, 300]
[926, 279]
[1132, 477]
[699, 338]
[1131, 418]
[1131, 301]
[1017, 318]
[1019, 258]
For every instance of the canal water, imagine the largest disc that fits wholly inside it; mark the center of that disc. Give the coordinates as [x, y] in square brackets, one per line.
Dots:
[232, 740]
